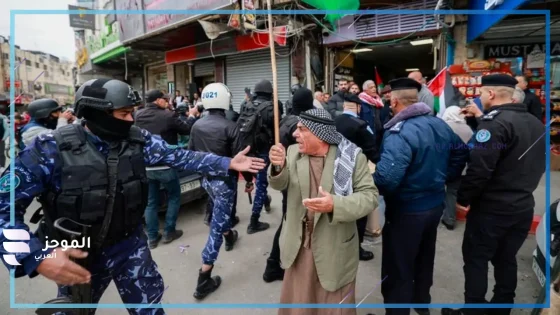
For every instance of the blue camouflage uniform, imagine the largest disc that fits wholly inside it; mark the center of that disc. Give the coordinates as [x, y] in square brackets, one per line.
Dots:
[221, 192]
[128, 262]
[261, 185]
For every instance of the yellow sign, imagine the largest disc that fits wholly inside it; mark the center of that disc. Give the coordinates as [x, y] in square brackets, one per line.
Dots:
[81, 57]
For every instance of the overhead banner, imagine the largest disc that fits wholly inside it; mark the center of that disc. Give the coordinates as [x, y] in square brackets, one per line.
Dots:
[131, 25]
[156, 22]
[81, 21]
[477, 24]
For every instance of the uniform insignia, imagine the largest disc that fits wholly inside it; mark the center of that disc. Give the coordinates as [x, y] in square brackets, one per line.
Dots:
[5, 183]
[483, 135]
[491, 115]
[397, 127]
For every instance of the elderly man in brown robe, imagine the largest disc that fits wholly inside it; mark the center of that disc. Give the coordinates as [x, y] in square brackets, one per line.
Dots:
[329, 187]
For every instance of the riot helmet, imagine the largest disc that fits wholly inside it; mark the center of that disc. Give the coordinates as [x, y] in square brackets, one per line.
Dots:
[263, 87]
[216, 96]
[41, 112]
[98, 99]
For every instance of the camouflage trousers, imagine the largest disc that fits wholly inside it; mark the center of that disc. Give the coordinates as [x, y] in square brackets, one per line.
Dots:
[129, 263]
[222, 192]
[261, 188]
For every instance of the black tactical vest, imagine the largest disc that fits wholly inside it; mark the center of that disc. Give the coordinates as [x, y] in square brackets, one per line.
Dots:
[84, 185]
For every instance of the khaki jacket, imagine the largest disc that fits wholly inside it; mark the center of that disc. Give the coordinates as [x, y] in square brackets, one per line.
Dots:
[335, 237]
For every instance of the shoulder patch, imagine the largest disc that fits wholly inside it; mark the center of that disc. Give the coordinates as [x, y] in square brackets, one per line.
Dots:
[491, 115]
[397, 128]
[5, 186]
[483, 135]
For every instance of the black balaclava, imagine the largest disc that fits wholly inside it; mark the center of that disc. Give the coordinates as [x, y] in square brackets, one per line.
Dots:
[49, 123]
[105, 126]
[302, 101]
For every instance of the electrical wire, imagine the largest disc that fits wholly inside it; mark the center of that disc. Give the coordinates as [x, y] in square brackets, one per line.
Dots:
[439, 5]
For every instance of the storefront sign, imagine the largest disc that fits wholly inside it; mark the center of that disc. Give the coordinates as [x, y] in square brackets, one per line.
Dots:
[225, 46]
[155, 22]
[519, 50]
[477, 24]
[491, 4]
[101, 41]
[83, 21]
[58, 89]
[131, 25]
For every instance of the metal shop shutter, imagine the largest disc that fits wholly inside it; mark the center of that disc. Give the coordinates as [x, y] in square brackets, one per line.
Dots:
[246, 69]
[203, 69]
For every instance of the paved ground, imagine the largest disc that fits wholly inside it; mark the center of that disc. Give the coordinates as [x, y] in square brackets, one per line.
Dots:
[241, 269]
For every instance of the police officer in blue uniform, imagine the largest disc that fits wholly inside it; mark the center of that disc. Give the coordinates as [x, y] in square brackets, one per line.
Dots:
[216, 134]
[507, 161]
[95, 175]
[419, 154]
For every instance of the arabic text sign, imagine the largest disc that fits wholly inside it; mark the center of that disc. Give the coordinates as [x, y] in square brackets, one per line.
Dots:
[82, 21]
[156, 21]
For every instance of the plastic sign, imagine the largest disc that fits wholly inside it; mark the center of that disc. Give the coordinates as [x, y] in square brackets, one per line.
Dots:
[491, 4]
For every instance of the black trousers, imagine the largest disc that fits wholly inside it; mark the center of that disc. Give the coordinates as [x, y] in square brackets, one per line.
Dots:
[275, 251]
[409, 249]
[361, 224]
[495, 239]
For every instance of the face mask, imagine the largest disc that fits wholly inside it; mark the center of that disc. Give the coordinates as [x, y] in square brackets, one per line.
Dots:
[51, 122]
[107, 127]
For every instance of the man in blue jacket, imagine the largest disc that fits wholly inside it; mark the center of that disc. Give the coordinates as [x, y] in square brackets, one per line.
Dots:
[418, 155]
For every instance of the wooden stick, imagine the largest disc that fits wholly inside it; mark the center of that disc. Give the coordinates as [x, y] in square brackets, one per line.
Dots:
[274, 77]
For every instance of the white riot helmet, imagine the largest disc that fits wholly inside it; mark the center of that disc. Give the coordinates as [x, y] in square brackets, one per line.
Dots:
[216, 96]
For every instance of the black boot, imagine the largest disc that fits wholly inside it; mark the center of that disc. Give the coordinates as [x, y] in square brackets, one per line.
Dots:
[267, 203]
[365, 255]
[231, 239]
[234, 221]
[206, 284]
[256, 226]
[273, 271]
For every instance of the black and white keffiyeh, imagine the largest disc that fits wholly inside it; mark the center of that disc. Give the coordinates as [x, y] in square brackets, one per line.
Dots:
[321, 124]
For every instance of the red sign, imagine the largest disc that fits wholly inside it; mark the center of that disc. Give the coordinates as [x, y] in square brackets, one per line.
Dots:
[226, 46]
[17, 84]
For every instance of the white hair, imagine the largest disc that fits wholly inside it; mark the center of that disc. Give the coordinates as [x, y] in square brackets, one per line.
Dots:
[318, 94]
[367, 84]
[518, 95]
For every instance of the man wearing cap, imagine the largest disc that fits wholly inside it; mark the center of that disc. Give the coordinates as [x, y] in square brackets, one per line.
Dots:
[506, 163]
[359, 132]
[158, 120]
[420, 153]
[329, 187]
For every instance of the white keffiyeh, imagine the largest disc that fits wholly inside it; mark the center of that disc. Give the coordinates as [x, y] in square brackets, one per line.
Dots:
[321, 124]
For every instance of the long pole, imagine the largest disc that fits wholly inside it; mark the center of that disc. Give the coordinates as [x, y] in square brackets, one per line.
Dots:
[274, 77]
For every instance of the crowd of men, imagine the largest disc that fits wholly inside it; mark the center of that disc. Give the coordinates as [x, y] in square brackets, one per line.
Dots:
[338, 160]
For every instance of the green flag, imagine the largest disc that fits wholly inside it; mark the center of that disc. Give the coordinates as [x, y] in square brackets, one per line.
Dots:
[334, 5]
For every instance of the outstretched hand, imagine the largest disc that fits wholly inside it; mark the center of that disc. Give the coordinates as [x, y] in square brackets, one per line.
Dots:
[243, 163]
[324, 202]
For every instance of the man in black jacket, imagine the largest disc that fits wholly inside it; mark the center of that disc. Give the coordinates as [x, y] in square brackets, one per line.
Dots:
[263, 141]
[335, 105]
[302, 101]
[358, 131]
[533, 102]
[158, 120]
[214, 133]
[505, 167]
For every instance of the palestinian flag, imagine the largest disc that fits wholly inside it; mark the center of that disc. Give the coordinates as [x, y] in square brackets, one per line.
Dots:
[445, 94]
[378, 81]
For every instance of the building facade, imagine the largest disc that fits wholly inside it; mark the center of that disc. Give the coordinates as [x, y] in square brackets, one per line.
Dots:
[39, 75]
